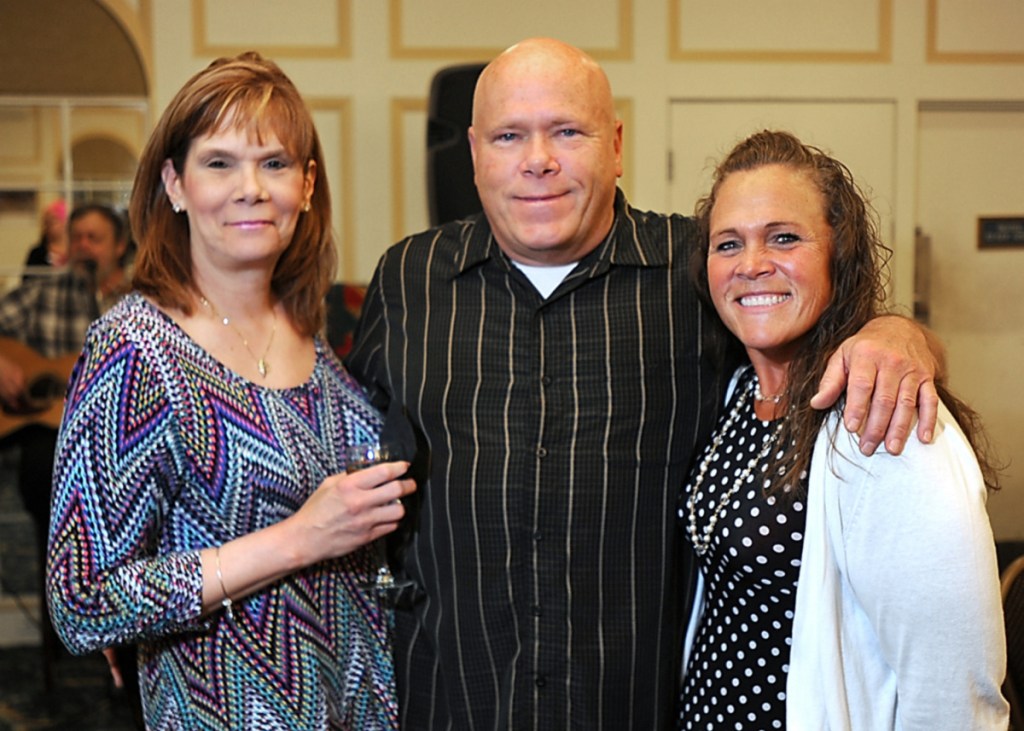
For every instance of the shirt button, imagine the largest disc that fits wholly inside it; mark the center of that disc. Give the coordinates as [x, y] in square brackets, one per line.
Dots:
[536, 610]
[537, 535]
[540, 681]
[542, 452]
[545, 380]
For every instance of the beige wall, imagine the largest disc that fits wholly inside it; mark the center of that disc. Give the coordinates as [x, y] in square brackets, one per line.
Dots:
[366, 66]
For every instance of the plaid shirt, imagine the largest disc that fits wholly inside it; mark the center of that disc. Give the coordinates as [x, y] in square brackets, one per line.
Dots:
[49, 314]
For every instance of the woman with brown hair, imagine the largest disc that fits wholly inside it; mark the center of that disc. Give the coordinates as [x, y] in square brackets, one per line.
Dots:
[201, 507]
[844, 591]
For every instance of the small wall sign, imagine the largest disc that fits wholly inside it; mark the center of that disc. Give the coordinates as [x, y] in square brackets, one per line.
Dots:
[1000, 231]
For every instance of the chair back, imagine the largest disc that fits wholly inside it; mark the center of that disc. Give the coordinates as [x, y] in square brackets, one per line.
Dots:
[344, 305]
[1012, 586]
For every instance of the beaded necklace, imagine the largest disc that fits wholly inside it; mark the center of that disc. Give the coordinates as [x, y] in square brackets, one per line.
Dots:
[702, 539]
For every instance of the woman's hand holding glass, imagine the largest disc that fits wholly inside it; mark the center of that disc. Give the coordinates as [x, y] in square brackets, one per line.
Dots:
[351, 510]
[361, 458]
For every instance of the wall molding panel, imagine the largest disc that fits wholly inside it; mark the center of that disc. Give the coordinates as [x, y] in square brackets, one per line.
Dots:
[333, 118]
[959, 33]
[227, 28]
[607, 33]
[817, 31]
[408, 123]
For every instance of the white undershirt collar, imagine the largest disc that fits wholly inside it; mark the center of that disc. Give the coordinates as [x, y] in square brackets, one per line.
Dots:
[545, 279]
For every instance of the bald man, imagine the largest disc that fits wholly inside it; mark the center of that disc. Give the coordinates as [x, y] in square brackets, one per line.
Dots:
[547, 353]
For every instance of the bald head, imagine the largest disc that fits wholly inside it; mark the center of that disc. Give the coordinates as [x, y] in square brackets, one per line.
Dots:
[545, 58]
[547, 150]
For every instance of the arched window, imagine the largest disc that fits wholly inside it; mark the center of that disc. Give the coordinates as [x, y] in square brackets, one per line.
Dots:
[74, 115]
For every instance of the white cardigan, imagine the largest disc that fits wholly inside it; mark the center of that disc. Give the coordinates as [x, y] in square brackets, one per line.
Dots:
[898, 622]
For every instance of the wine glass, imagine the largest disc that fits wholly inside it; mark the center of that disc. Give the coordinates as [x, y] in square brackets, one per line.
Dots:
[383, 584]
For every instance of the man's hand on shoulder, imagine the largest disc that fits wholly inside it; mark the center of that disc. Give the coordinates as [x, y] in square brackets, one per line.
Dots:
[889, 370]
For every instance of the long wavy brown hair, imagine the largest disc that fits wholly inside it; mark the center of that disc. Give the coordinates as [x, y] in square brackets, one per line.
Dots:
[253, 95]
[859, 271]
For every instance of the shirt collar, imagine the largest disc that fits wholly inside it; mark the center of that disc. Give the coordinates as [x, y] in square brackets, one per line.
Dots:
[629, 243]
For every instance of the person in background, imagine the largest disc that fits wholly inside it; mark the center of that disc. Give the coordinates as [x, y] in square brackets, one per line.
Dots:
[548, 354]
[52, 248]
[844, 591]
[50, 315]
[43, 323]
[201, 508]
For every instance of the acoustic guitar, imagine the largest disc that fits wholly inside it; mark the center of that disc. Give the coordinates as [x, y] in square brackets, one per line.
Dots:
[43, 400]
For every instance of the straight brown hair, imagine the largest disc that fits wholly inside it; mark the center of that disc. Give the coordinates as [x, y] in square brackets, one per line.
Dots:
[250, 94]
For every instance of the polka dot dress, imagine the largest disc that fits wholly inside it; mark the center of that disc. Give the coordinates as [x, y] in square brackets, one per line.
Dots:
[736, 678]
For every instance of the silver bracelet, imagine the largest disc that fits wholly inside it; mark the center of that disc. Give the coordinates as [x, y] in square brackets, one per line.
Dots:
[226, 601]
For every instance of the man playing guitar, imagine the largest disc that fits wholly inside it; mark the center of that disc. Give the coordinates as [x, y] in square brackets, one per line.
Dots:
[42, 328]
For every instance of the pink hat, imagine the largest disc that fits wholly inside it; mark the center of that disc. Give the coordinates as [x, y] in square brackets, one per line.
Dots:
[58, 209]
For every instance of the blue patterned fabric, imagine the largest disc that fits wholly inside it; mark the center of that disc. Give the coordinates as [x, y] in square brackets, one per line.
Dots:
[163, 452]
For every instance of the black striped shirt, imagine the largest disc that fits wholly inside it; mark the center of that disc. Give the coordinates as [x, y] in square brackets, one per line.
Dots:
[556, 436]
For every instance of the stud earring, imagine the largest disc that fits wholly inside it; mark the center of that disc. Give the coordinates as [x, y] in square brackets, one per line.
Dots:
[307, 208]
[176, 207]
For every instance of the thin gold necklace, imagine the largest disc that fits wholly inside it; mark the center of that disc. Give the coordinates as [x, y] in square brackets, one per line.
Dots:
[261, 362]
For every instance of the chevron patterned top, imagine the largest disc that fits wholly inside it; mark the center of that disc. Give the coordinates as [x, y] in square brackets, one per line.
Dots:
[164, 451]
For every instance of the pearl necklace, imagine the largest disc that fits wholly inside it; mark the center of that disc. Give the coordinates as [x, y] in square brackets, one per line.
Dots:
[261, 362]
[702, 539]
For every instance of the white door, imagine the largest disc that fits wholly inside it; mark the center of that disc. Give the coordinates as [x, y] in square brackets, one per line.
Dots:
[971, 165]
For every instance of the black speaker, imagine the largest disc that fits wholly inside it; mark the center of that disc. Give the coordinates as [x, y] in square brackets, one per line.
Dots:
[451, 194]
